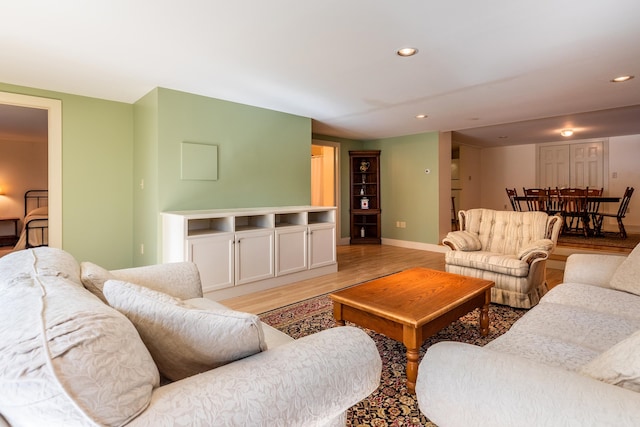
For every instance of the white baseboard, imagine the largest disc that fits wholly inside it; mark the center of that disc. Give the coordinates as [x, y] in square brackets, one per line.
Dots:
[415, 245]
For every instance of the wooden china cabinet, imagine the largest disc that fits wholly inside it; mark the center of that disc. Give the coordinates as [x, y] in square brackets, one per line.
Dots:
[364, 197]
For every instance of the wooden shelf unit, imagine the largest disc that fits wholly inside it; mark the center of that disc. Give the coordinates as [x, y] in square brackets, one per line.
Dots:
[364, 197]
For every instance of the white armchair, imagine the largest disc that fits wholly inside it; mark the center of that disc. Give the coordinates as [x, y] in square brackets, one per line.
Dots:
[509, 248]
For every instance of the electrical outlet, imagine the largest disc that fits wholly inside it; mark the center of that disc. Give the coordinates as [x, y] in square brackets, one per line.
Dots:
[141, 248]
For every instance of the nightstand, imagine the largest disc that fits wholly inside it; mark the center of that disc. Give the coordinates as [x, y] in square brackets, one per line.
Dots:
[9, 239]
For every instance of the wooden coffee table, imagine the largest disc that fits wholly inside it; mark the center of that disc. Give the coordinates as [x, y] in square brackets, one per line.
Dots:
[412, 305]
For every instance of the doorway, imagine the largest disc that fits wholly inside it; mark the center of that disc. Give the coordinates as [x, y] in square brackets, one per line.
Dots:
[54, 162]
[325, 186]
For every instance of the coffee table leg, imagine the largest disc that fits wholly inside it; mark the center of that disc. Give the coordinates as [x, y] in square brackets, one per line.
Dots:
[484, 315]
[412, 338]
[337, 313]
[412, 368]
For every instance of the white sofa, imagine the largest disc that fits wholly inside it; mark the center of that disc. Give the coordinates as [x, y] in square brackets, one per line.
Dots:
[573, 360]
[67, 358]
[506, 247]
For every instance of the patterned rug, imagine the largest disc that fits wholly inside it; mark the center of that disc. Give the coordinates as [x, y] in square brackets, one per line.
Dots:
[391, 404]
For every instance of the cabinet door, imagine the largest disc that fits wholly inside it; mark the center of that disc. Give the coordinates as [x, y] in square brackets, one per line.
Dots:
[254, 256]
[322, 245]
[214, 257]
[291, 250]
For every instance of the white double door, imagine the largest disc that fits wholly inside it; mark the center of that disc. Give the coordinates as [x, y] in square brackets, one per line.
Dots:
[577, 165]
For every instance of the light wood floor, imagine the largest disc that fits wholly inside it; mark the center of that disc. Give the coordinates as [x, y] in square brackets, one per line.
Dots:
[356, 263]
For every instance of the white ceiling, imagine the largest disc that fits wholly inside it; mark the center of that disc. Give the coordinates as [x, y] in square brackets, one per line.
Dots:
[480, 63]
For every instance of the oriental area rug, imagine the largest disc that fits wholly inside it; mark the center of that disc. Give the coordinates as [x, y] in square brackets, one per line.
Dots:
[391, 404]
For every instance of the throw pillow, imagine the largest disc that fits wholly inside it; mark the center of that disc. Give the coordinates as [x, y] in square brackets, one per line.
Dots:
[620, 365]
[184, 340]
[67, 358]
[627, 276]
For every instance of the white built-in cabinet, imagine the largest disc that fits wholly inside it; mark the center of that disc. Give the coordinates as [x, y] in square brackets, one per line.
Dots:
[246, 250]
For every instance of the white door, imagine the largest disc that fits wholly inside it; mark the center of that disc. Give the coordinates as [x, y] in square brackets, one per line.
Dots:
[291, 250]
[554, 166]
[254, 256]
[213, 254]
[587, 162]
[571, 165]
[322, 245]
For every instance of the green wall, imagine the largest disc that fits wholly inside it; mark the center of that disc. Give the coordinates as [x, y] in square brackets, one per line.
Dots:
[263, 159]
[145, 178]
[109, 147]
[408, 193]
[97, 141]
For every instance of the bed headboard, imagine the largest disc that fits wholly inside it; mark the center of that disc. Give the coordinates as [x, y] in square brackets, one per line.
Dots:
[35, 199]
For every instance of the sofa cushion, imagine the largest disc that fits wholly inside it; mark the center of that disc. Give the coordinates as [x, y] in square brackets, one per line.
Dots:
[596, 298]
[627, 276]
[489, 261]
[578, 325]
[184, 340]
[620, 365]
[67, 359]
[505, 232]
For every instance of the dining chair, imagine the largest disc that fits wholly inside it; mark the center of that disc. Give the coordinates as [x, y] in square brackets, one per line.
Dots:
[622, 211]
[574, 210]
[512, 194]
[536, 198]
[554, 202]
[593, 204]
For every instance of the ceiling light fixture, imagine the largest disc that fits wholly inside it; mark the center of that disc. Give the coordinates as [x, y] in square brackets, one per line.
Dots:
[621, 79]
[566, 132]
[421, 116]
[407, 51]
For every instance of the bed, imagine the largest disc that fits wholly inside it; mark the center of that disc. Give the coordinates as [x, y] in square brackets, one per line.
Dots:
[35, 229]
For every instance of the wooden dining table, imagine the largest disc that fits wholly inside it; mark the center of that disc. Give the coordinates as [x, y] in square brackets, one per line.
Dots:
[591, 200]
[601, 199]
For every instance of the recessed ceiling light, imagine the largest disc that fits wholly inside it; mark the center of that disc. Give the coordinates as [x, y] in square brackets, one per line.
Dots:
[407, 51]
[503, 137]
[566, 132]
[421, 116]
[621, 79]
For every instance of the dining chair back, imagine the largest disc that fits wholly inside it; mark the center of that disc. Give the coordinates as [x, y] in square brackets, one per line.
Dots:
[512, 194]
[622, 212]
[536, 199]
[554, 201]
[574, 210]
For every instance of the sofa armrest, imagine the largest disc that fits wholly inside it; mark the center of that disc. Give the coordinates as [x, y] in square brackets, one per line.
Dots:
[178, 279]
[303, 383]
[499, 389]
[462, 240]
[538, 249]
[591, 269]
